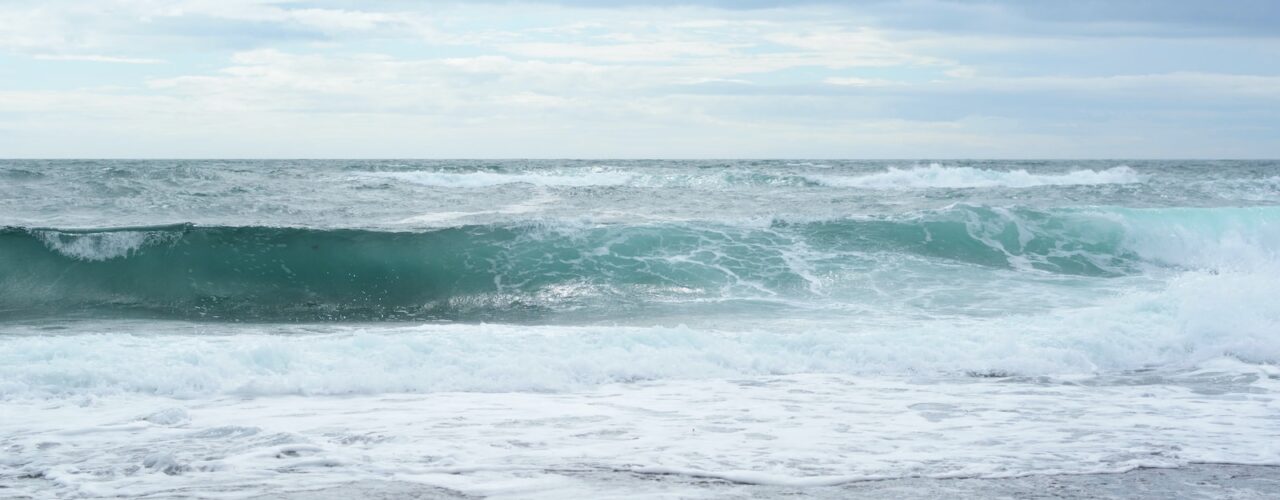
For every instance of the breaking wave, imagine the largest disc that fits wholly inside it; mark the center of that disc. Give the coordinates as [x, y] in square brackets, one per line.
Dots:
[524, 271]
[938, 176]
[1199, 318]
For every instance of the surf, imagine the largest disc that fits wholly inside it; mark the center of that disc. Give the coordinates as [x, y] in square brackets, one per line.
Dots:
[523, 271]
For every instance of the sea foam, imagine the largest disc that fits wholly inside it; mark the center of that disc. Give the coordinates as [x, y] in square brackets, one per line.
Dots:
[593, 177]
[1197, 318]
[100, 246]
[939, 176]
[931, 176]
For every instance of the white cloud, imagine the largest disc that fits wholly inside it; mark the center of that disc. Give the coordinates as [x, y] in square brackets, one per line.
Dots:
[97, 58]
[1176, 84]
[620, 52]
[853, 81]
[817, 80]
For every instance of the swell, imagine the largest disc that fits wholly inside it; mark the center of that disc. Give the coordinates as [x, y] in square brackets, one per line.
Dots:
[519, 272]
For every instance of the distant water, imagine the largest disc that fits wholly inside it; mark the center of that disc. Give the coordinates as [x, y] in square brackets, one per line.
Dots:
[982, 318]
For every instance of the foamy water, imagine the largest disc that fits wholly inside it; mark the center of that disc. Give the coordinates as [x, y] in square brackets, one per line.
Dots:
[939, 176]
[555, 329]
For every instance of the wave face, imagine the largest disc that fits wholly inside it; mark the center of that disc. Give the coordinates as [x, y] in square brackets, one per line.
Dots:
[529, 271]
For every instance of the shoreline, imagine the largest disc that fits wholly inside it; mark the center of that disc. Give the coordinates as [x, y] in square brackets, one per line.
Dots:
[1190, 481]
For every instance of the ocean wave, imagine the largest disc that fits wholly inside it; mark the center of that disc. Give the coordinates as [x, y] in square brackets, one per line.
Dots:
[98, 245]
[1196, 319]
[939, 176]
[932, 176]
[515, 272]
[592, 177]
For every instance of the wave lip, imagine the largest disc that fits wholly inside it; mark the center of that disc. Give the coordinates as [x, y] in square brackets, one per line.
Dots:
[93, 246]
[939, 176]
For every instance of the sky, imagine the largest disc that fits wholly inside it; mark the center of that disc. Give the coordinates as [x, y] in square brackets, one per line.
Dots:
[639, 79]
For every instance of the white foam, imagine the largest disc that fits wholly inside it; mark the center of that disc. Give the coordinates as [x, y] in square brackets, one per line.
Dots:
[1218, 238]
[598, 176]
[526, 207]
[648, 439]
[931, 176]
[1123, 241]
[595, 177]
[99, 246]
[1195, 318]
[939, 176]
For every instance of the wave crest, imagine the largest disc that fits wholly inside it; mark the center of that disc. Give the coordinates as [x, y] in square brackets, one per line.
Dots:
[99, 246]
[938, 176]
[526, 271]
[927, 177]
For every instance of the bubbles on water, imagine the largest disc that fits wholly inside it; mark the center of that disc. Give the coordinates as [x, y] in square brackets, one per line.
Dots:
[103, 245]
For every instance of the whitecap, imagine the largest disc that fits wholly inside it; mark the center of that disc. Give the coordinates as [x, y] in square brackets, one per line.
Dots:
[101, 245]
[939, 176]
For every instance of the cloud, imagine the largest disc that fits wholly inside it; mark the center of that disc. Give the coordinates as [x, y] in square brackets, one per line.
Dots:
[853, 81]
[619, 52]
[97, 58]
[1095, 17]
[578, 78]
[1179, 85]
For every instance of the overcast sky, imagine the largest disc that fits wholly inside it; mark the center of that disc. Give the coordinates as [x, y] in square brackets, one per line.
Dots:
[640, 79]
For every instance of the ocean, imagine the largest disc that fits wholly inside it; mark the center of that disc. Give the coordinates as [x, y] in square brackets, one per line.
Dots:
[704, 329]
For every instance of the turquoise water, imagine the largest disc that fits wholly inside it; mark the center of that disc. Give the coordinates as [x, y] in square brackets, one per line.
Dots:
[1077, 266]
[552, 329]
